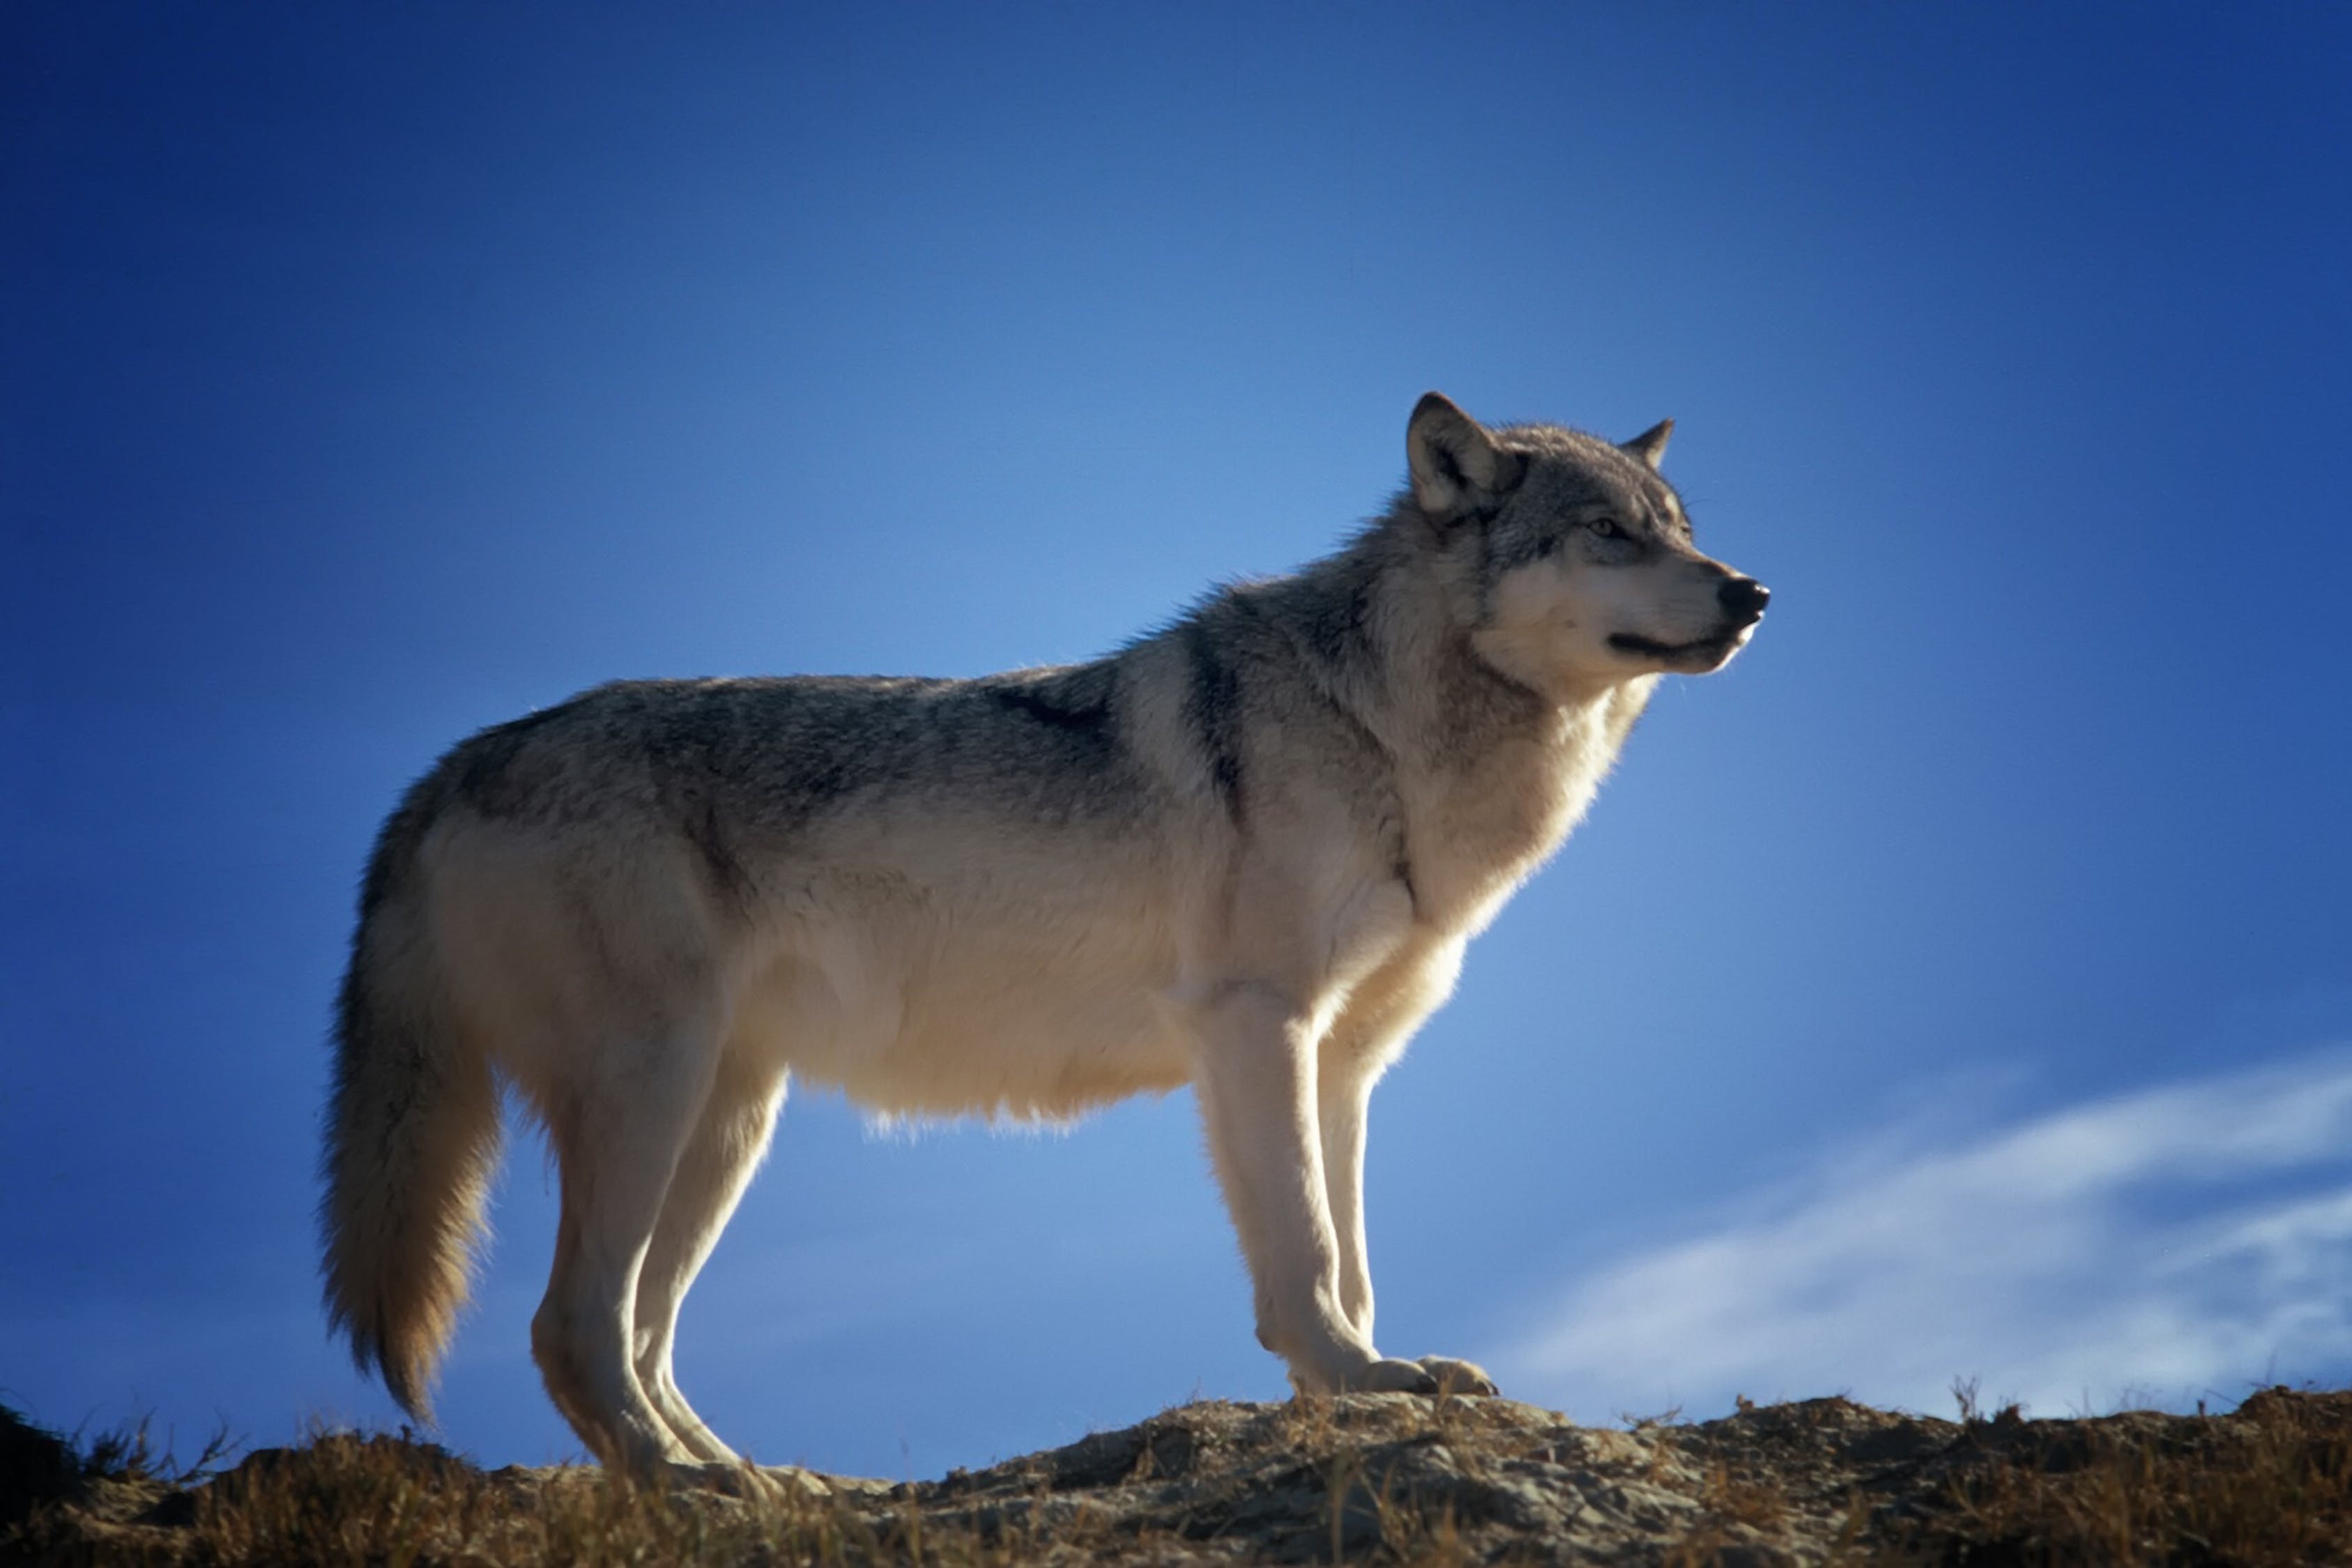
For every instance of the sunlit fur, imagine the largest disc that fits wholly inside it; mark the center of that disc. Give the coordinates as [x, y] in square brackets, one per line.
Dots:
[1242, 852]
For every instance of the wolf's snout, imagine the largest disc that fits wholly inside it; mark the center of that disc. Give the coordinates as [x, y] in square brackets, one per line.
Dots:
[1743, 599]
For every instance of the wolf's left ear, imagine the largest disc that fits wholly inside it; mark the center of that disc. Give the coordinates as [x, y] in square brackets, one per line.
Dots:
[1458, 468]
[1650, 447]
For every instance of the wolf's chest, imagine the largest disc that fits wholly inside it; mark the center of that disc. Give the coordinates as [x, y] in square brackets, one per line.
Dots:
[1474, 835]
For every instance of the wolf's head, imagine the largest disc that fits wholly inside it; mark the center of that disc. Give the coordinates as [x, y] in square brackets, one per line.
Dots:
[1568, 558]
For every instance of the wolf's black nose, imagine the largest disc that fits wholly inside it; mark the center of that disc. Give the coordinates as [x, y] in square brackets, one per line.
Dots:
[1743, 599]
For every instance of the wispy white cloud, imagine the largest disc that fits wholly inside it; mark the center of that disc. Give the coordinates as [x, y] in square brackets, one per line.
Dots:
[2186, 1239]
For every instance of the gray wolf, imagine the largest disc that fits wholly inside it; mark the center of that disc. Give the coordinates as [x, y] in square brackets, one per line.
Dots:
[1242, 852]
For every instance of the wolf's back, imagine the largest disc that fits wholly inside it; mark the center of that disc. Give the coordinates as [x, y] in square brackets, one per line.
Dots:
[727, 776]
[412, 1133]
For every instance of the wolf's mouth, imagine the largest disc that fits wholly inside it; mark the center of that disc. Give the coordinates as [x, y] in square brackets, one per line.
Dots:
[1672, 653]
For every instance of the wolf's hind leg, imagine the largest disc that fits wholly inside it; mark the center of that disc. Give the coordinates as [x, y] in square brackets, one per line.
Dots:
[726, 1146]
[618, 1138]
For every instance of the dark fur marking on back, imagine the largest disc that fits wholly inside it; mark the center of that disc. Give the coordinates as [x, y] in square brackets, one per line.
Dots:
[1320, 637]
[1335, 633]
[1088, 718]
[1212, 702]
[483, 762]
[692, 747]
[719, 858]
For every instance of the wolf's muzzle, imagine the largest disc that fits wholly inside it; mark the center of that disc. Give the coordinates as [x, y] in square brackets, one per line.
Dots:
[1743, 599]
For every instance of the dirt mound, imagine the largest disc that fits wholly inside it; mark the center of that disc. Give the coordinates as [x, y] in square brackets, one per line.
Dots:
[1370, 1477]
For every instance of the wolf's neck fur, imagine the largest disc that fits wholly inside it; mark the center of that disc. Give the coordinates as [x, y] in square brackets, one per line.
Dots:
[1490, 775]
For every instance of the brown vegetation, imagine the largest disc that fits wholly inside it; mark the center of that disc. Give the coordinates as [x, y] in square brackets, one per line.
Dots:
[1385, 1479]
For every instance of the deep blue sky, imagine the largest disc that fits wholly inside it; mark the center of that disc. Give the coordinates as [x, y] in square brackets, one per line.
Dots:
[1947, 989]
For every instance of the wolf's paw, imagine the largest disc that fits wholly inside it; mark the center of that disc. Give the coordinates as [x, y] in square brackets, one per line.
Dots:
[1451, 1377]
[746, 1480]
[1389, 1376]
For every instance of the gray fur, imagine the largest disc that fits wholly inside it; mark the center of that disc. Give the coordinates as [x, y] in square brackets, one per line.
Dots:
[1243, 852]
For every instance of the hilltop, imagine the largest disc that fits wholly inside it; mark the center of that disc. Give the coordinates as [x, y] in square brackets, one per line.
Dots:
[1362, 1478]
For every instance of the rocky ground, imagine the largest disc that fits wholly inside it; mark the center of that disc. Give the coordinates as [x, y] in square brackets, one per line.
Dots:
[1368, 1478]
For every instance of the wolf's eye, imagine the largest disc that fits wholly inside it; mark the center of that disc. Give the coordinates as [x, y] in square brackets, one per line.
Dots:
[1605, 528]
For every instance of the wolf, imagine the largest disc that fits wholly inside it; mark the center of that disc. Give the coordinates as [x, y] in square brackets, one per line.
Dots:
[1243, 853]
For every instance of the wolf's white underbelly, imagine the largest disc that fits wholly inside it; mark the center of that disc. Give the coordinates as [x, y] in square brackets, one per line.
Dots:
[1038, 1006]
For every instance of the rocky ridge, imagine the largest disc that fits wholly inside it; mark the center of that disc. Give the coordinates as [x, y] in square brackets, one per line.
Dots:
[1367, 1478]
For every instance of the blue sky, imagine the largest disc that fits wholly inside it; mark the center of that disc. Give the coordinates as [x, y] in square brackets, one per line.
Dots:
[1955, 987]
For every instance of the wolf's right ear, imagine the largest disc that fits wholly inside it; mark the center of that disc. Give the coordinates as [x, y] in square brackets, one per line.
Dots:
[1458, 468]
[1650, 447]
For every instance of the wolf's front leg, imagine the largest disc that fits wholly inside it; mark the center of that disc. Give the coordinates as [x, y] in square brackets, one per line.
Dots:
[1258, 1089]
[1343, 1096]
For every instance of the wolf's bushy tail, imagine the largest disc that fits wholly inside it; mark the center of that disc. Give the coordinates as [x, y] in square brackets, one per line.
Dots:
[412, 1135]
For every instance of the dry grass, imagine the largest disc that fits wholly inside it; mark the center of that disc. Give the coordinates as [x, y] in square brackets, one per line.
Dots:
[2269, 1484]
[392, 1503]
[1401, 1481]
[382, 1502]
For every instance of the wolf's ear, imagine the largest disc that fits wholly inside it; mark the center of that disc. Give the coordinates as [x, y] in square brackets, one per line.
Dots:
[1650, 447]
[1457, 469]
